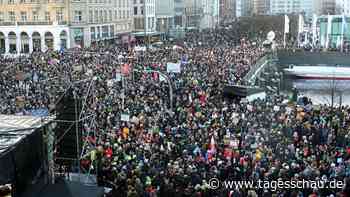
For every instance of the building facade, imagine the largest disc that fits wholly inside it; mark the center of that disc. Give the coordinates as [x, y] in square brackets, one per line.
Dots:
[227, 10]
[328, 6]
[98, 20]
[307, 8]
[261, 7]
[180, 17]
[278, 7]
[247, 7]
[238, 8]
[144, 15]
[342, 7]
[211, 14]
[38, 25]
[338, 33]
[193, 13]
[33, 26]
[325, 7]
[165, 15]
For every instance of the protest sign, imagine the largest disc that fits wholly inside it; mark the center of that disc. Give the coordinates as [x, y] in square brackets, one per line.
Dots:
[173, 67]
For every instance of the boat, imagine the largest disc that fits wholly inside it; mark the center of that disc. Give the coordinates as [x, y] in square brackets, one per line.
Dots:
[319, 72]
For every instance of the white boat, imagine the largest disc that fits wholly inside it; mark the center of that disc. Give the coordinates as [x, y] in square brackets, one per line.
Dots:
[319, 72]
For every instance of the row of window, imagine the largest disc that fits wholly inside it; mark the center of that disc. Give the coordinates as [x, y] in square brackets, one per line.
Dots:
[107, 31]
[136, 12]
[285, 11]
[150, 9]
[139, 23]
[29, 1]
[119, 3]
[23, 16]
[20, 1]
[96, 16]
[135, 1]
[142, 1]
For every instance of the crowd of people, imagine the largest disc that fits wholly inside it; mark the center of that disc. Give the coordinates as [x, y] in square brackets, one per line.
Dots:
[146, 149]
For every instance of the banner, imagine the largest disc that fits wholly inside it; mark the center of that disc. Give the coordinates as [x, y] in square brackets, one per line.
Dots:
[35, 77]
[78, 68]
[138, 48]
[110, 83]
[173, 67]
[125, 117]
[42, 112]
[53, 61]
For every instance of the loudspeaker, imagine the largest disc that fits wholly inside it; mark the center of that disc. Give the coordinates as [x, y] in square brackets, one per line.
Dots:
[69, 129]
[233, 92]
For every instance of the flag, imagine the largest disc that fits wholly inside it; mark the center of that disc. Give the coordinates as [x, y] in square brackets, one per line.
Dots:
[212, 147]
[230, 194]
[286, 24]
[197, 150]
[228, 153]
[343, 29]
[286, 29]
[161, 78]
[301, 24]
[339, 39]
[211, 151]
[329, 29]
[109, 152]
[323, 40]
[345, 24]
[155, 76]
[61, 49]
[169, 146]
[209, 156]
[300, 28]
[314, 29]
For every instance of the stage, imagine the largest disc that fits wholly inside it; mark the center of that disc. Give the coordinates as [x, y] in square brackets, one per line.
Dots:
[63, 188]
[23, 151]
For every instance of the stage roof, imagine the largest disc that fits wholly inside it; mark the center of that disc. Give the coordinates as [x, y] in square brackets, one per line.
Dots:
[14, 128]
[21, 148]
